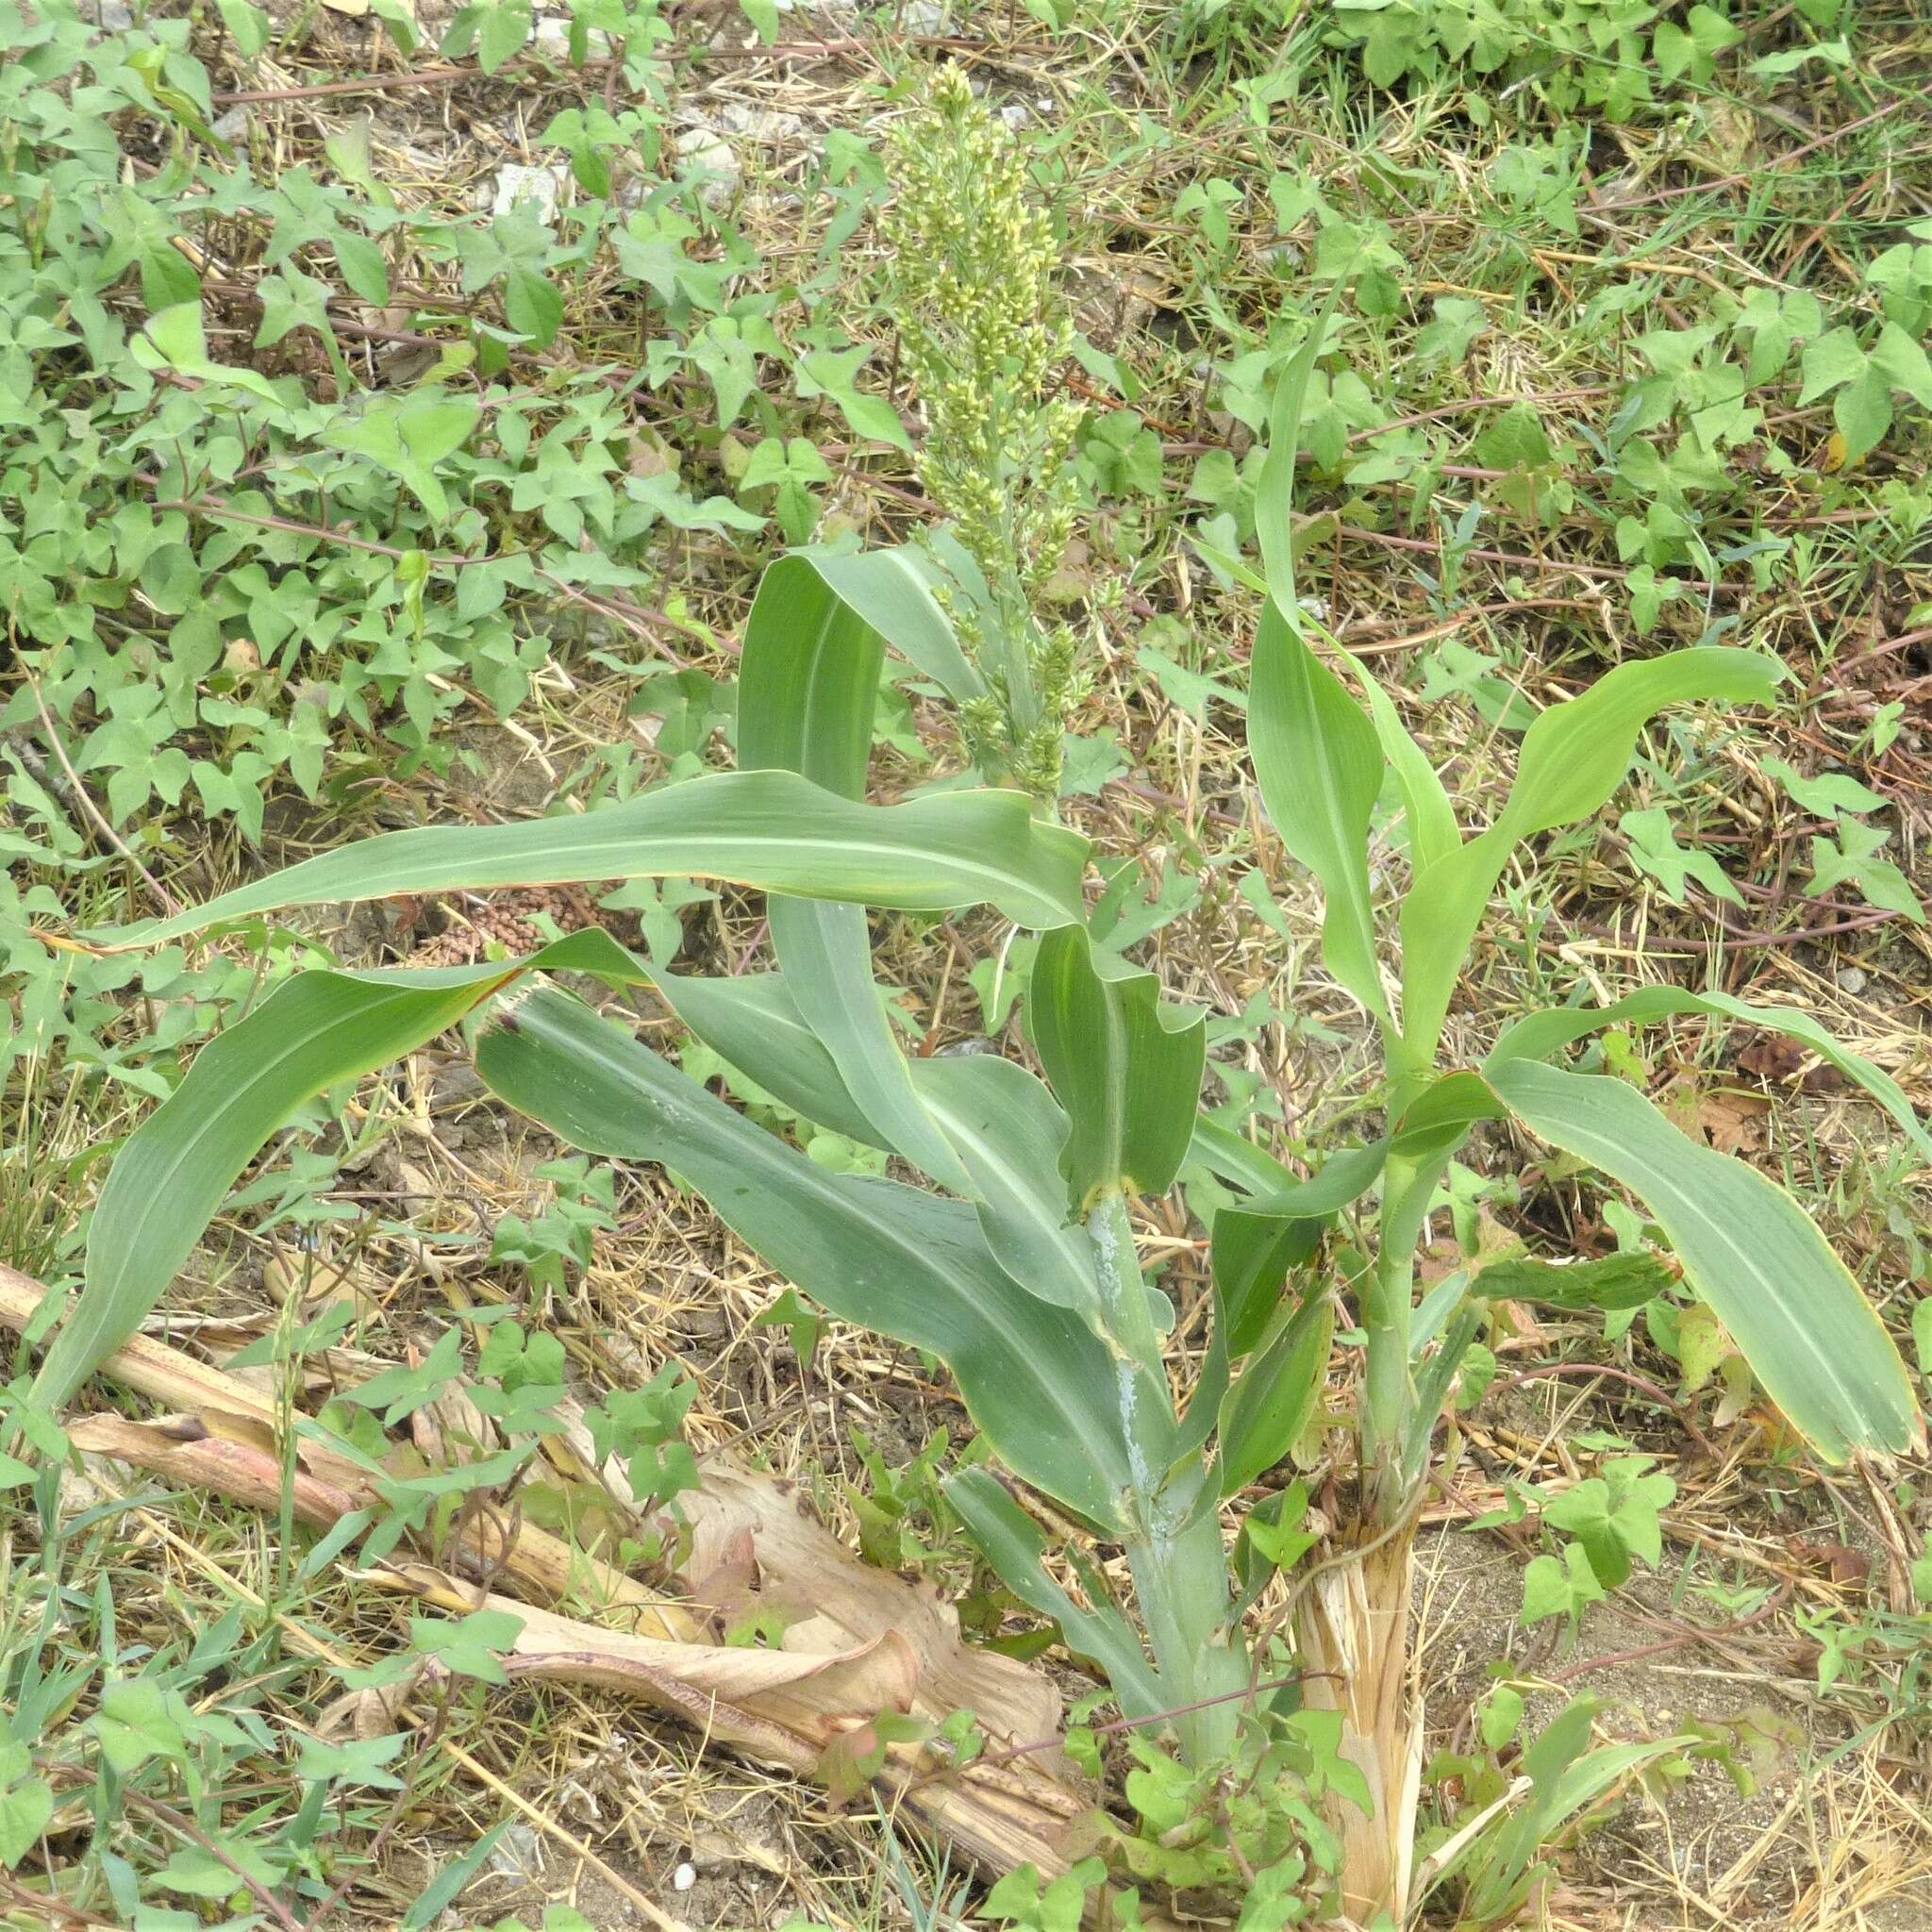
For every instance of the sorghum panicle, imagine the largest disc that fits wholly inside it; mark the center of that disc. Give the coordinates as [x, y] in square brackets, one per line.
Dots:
[983, 329]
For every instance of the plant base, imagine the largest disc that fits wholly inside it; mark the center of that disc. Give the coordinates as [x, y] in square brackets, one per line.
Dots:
[1352, 1633]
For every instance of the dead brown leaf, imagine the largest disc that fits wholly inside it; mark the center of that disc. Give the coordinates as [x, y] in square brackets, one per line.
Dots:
[1731, 1122]
[1780, 1061]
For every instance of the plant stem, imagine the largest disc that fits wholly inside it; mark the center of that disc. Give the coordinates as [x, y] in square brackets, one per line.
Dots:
[1173, 1543]
[1180, 1580]
[1122, 1292]
[1388, 1401]
[1146, 1403]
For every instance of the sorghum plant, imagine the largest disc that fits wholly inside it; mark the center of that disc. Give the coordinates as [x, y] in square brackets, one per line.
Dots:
[1012, 1258]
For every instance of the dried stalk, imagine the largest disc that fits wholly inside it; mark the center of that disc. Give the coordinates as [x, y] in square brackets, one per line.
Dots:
[872, 1643]
[1351, 1629]
[223, 1439]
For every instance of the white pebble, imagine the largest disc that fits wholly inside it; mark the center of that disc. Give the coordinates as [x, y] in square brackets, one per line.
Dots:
[704, 151]
[514, 183]
[551, 38]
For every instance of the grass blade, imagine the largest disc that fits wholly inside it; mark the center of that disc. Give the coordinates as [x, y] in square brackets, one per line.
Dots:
[1009, 1542]
[1129, 1081]
[1537, 1036]
[1035, 1379]
[1574, 757]
[806, 699]
[1003, 1122]
[1319, 763]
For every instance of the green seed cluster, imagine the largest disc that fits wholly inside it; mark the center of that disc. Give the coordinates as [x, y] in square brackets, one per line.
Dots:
[983, 329]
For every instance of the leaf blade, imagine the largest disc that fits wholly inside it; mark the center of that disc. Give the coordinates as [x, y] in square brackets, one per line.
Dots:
[312, 1032]
[1130, 1084]
[1319, 763]
[1573, 758]
[808, 695]
[1538, 1035]
[1263, 1415]
[771, 831]
[1009, 1542]
[1812, 1340]
[1037, 1380]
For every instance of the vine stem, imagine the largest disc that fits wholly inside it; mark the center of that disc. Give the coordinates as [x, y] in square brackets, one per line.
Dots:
[180, 1821]
[169, 904]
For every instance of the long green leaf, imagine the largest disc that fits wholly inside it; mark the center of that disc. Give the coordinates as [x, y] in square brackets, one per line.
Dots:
[892, 590]
[1437, 1122]
[1502, 1859]
[1574, 755]
[1317, 759]
[1129, 1079]
[752, 1020]
[1564, 1778]
[769, 830]
[1320, 765]
[1812, 1337]
[1009, 1133]
[1257, 1241]
[1015, 1548]
[1003, 1123]
[310, 1034]
[1236, 1159]
[1275, 494]
[1537, 1036]
[1433, 834]
[1251, 1255]
[1037, 1380]
[808, 685]
[807, 694]
[1573, 758]
[825, 953]
[1264, 1413]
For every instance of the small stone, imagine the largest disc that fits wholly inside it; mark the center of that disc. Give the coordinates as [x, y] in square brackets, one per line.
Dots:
[924, 17]
[1850, 979]
[519, 1852]
[115, 17]
[233, 126]
[515, 184]
[684, 1877]
[550, 35]
[769, 127]
[1016, 114]
[458, 1084]
[705, 154]
[78, 1492]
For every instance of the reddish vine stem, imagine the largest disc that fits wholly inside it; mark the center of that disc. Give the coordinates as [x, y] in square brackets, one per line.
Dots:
[1681, 1640]
[1680, 1410]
